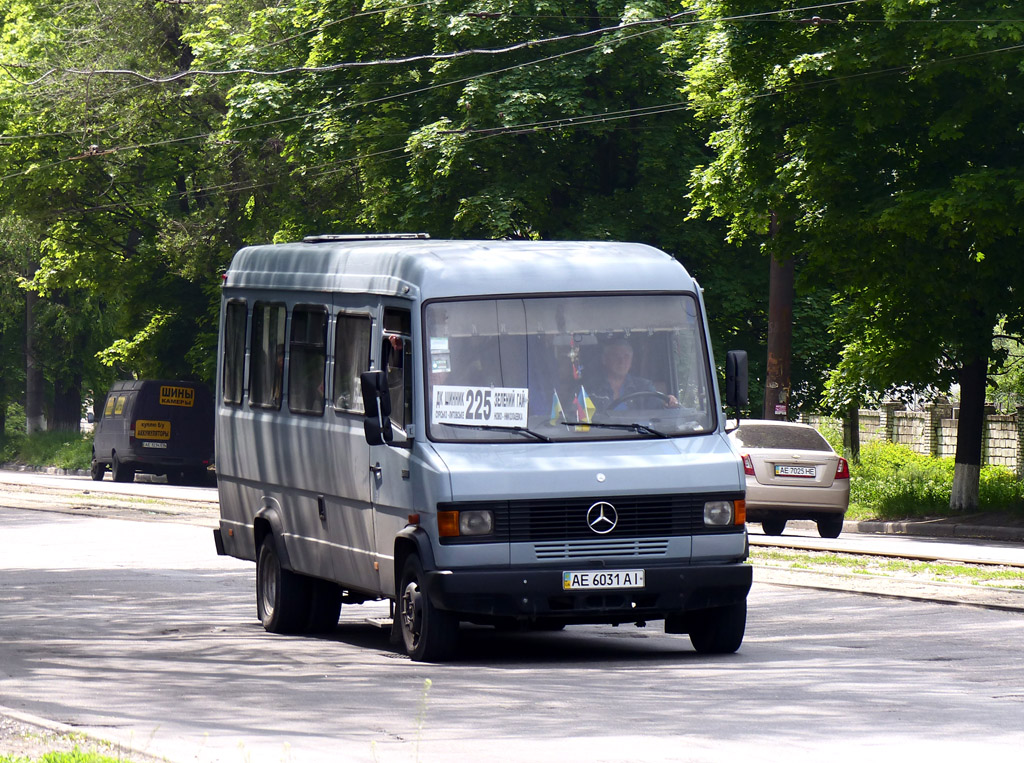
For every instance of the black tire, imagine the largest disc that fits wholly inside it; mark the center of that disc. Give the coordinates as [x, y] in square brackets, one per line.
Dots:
[719, 630]
[120, 471]
[324, 606]
[773, 526]
[830, 527]
[198, 476]
[282, 597]
[429, 634]
[97, 469]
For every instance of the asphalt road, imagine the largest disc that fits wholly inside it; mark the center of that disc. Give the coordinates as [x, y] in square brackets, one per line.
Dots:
[138, 633]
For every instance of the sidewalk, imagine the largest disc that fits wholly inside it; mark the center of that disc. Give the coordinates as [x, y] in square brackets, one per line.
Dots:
[991, 526]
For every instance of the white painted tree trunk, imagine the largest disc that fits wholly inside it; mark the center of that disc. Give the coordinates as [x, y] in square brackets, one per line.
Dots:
[966, 478]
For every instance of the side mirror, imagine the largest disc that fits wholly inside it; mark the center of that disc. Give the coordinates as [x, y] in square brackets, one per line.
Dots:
[736, 381]
[377, 404]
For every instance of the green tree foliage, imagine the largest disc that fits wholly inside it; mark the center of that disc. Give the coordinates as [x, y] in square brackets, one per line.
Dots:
[148, 141]
[887, 139]
[106, 168]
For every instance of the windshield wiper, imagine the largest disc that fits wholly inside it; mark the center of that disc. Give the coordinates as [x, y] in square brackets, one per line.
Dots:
[634, 426]
[493, 428]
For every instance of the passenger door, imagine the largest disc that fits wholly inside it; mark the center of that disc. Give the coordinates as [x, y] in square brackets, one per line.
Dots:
[348, 508]
[390, 465]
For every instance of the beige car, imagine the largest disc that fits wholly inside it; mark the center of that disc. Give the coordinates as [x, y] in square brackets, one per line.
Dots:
[792, 473]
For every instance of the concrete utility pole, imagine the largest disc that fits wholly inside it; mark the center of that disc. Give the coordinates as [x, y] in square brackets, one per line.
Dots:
[780, 336]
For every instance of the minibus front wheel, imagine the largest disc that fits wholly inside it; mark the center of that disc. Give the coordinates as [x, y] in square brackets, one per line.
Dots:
[429, 634]
[719, 630]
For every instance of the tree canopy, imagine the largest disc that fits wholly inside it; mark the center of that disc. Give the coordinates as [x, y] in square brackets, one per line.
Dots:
[144, 142]
[887, 140]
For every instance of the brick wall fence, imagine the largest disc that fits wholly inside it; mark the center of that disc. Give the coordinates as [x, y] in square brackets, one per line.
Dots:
[932, 432]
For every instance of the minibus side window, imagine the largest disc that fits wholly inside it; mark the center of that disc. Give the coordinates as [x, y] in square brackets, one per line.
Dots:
[351, 358]
[119, 405]
[234, 351]
[396, 360]
[307, 358]
[266, 367]
[109, 408]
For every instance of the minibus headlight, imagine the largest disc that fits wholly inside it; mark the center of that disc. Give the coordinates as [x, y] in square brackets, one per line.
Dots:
[718, 513]
[452, 524]
[476, 522]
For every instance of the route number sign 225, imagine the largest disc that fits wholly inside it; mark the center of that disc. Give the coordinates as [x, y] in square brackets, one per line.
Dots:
[492, 406]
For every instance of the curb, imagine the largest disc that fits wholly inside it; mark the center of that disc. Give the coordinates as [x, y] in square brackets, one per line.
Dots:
[939, 528]
[104, 746]
[56, 470]
[928, 528]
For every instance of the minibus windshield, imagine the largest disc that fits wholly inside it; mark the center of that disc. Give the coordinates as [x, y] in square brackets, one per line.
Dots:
[567, 368]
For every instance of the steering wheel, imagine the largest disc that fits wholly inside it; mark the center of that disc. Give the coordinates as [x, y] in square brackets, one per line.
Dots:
[666, 399]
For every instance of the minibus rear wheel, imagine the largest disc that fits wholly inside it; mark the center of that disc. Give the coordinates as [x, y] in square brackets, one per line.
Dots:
[282, 596]
[324, 606]
[429, 634]
[719, 630]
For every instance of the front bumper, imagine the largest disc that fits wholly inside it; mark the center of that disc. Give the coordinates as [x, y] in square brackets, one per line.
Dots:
[536, 593]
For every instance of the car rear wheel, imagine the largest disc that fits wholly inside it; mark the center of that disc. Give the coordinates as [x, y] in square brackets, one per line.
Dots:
[719, 630]
[773, 525]
[830, 527]
[282, 597]
[120, 471]
[428, 633]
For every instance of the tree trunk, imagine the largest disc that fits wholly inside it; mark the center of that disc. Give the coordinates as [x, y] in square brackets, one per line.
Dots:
[851, 432]
[67, 405]
[35, 421]
[780, 339]
[967, 468]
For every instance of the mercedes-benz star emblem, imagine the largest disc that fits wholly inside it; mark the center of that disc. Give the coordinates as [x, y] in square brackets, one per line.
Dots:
[602, 518]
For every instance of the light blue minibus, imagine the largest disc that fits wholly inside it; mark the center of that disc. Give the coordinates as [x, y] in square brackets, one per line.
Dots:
[521, 434]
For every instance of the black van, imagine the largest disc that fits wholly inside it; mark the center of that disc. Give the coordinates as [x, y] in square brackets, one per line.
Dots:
[156, 427]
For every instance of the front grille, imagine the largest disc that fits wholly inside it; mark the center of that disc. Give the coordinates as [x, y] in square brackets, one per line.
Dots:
[560, 520]
[581, 549]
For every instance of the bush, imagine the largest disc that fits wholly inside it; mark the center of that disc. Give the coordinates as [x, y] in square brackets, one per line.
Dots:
[64, 450]
[892, 481]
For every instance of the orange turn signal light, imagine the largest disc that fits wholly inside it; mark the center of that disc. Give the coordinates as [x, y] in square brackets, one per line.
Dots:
[448, 524]
[740, 512]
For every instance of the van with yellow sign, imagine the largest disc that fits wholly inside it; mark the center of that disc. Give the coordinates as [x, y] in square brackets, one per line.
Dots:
[155, 427]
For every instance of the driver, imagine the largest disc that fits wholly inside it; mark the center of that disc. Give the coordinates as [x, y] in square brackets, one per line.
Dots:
[616, 382]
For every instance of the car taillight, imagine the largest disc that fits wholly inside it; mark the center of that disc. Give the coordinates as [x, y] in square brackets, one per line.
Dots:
[748, 465]
[843, 470]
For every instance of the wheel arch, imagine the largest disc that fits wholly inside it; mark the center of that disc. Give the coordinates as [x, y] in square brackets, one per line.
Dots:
[267, 521]
[411, 540]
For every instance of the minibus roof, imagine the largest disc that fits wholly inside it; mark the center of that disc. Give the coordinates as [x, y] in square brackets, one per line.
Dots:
[424, 268]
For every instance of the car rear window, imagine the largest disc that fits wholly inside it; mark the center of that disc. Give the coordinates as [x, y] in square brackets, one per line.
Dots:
[797, 438]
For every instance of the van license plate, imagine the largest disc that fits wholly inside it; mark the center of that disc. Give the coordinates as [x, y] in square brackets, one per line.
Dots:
[784, 470]
[594, 579]
[148, 444]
